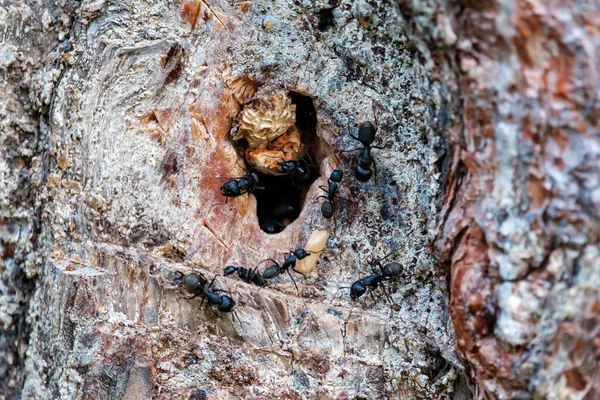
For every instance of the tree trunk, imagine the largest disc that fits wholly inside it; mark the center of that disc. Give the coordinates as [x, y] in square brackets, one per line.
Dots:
[121, 120]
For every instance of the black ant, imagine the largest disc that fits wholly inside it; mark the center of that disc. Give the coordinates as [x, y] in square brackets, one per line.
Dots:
[296, 170]
[373, 281]
[247, 275]
[279, 218]
[271, 225]
[239, 186]
[328, 207]
[196, 284]
[366, 136]
[290, 262]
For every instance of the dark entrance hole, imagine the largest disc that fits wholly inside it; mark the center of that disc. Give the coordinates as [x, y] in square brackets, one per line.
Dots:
[280, 203]
[325, 19]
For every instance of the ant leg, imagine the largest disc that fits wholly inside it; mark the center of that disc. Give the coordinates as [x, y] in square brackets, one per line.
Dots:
[179, 274]
[214, 312]
[323, 188]
[290, 274]
[309, 164]
[374, 112]
[350, 150]
[348, 129]
[374, 166]
[334, 216]
[387, 295]
[377, 262]
[343, 199]
[337, 291]
[389, 254]
[298, 272]
[334, 221]
[372, 265]
[373, 297]
[211, 282]
[270, 259]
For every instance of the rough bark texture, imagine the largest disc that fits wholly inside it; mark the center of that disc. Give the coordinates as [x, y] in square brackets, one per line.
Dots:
[113, 143]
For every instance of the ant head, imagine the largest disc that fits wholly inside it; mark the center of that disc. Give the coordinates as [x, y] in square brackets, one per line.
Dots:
[226, 304]
[336, 175]
[301, 253]
[366, 133]
[229, 270]
[357, 289]
[288, 166]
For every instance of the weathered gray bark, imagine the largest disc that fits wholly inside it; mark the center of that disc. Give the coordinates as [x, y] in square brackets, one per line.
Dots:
[111, 149]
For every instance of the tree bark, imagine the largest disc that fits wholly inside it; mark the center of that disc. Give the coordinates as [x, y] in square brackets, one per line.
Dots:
[117, 126]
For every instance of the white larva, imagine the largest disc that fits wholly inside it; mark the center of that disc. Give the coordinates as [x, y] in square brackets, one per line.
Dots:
[315, 246]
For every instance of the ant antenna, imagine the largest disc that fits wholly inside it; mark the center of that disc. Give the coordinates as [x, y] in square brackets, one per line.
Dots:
[179, 275]
[378, 261]
[243, 166]
[352, 136]
[233, 312]
[336, 293]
